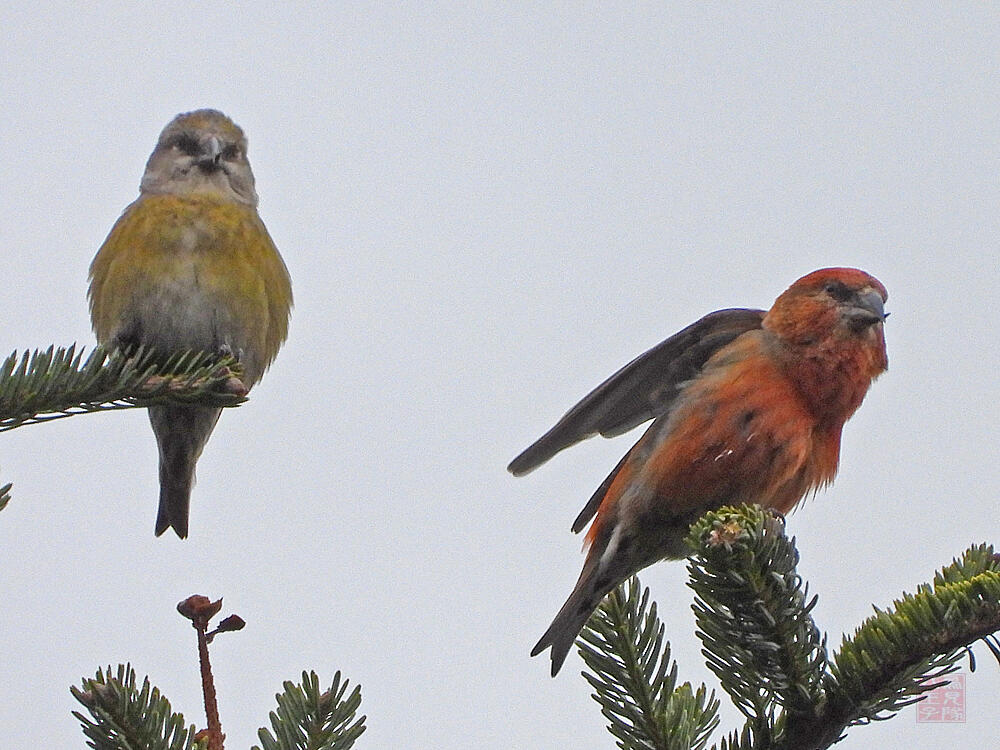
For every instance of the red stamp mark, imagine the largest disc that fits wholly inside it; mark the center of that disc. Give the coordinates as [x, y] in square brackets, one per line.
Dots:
[945, 703]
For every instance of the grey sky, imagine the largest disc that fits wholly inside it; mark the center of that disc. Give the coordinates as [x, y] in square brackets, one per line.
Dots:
[485, 211]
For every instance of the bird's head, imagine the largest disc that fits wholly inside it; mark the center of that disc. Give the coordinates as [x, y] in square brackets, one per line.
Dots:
[201, 152]
[833, 308]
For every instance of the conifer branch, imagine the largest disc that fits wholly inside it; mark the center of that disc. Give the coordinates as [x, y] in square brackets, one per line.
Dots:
[126, 717]
[752, 613]
[310, 719]
[44, 385]
[904, 651]
[754, 618]
[200, 610]
[307, 717]
[55, 383]
[635, 680]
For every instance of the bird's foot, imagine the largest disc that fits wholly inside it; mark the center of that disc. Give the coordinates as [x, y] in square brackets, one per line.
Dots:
[227, 351]
[232, 384]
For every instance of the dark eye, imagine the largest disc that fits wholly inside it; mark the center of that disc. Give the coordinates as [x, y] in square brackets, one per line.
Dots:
[838, 290]
[230, 153]
[187, 144]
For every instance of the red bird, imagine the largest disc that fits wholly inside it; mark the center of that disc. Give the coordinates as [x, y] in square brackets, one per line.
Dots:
[748, 407]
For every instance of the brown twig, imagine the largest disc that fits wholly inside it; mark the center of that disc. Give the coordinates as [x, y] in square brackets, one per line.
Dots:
[200, 610]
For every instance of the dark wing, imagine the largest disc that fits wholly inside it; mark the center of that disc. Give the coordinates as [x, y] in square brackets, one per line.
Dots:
[643, 389]
[595, 500]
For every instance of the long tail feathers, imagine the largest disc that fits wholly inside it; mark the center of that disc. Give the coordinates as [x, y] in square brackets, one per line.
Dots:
[562, 634]
[175, 499]
[568, 623]
[181, 433]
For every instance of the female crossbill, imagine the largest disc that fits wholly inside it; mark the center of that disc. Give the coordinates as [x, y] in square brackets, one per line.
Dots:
[748, 407]
[190, 266]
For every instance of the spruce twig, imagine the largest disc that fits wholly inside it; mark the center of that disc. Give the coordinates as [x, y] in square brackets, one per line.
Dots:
[753, 614]
[635, 680]
[44, 385]
[50, 384]
[899, 654]
[123, 716]
[309, 718]
[754, 619]
[200, 610]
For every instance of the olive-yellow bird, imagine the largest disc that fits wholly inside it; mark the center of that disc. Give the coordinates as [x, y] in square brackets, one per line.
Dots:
[190, 266]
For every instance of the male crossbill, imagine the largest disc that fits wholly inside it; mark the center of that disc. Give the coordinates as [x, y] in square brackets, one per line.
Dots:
[748, 407]
[190, 266]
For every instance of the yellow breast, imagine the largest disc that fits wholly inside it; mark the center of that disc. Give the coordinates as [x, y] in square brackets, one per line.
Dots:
[187, 271]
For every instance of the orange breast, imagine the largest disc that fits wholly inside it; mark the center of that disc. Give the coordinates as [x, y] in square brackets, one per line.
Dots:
[740, 433]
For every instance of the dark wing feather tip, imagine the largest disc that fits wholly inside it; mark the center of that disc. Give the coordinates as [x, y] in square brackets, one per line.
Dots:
[643, 389]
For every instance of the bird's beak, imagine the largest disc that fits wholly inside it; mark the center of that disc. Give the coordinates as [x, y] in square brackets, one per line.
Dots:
[209, 161]
[867, 309]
